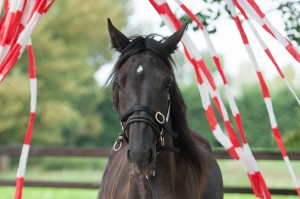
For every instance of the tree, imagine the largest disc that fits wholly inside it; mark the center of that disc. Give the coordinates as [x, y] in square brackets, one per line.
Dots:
[292, 137]
[70, 43]
[216, 9]
[111, 123]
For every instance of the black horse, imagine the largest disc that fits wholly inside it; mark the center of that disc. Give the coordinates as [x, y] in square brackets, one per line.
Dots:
[156, 155]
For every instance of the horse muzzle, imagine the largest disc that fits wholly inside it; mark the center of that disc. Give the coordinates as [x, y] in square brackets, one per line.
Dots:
[142, 161]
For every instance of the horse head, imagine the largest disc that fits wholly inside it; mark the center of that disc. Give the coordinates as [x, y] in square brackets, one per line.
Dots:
[142, 83]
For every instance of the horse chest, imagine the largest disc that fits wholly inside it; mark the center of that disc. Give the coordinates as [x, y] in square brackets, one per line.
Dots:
[139, 188]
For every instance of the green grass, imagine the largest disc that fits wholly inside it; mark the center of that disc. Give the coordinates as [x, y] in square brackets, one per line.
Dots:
[61, 193]
[251, 196]
[62, 169]
[49, 193]
[275, 173]
[60, 176]
[91, 170]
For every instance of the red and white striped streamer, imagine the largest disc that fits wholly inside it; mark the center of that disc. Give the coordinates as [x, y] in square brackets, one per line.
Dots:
[26, 145]
[266, 49]
[265, 90]
[253, 10]
[248, 158]
[208, 89]
[268, 52]
[16, 26]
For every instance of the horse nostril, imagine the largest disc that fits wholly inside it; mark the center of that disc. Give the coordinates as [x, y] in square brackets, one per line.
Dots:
[128, 155]
[141, 157]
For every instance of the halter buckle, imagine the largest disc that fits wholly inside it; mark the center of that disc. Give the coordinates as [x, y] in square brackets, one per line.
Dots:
[161, 138]
[160, 118]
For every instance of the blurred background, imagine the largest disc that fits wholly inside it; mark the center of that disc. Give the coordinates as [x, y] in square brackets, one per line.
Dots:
[74, 109]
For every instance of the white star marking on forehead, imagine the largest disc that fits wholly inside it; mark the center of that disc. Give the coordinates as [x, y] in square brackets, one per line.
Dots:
[139, 69]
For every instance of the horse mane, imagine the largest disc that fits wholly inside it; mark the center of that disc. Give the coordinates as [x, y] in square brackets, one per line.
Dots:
[186, 142]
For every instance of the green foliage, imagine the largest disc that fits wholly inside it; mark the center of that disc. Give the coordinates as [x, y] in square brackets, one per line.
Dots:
[70, 42]
[213, 10]
[292, 140]
[111, 124]
[290, 12]
[14, 94]
[292, 137]
[216, 9]
[253, 112]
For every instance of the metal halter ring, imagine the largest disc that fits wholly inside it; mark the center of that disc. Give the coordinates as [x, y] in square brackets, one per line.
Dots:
[160, 120]
[119, 147]
[119, 142]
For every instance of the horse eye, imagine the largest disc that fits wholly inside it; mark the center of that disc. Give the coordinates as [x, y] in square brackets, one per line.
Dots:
[167, 86]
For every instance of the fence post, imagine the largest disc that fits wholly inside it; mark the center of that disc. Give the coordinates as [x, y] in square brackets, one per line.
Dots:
[4, 162]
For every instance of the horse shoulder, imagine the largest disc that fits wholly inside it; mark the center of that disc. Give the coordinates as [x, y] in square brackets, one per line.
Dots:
[201, 141]
[214, 181]
[113, 175]
[186, 182]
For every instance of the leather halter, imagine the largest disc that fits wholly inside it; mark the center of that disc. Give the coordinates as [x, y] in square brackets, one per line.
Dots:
[157, 121]
[159, 124]
[159, 118]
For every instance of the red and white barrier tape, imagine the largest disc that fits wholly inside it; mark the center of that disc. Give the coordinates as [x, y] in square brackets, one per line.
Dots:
[16, 26]
[253, 10]
[16, 29]
[247, 157]
[207, 88]
[265, 90]
[267, 51]
[26, 145]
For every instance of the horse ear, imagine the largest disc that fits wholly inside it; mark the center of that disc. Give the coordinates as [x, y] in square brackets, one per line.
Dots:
[171, 42]
[118, 40]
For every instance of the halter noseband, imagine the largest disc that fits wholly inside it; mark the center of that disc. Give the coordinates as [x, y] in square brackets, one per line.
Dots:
[157, 121]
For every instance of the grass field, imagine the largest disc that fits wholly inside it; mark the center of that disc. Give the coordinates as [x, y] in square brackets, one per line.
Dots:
[60, 193]
[90, 170]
